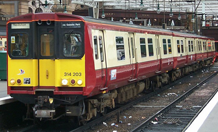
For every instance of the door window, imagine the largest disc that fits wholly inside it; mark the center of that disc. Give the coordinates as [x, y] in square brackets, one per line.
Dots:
[178, 46]
[96, 47]
[47, 44]
[101, 48]
[143, 47]
[182, 46]
[164, 46]
[169, 46]
[150, 47]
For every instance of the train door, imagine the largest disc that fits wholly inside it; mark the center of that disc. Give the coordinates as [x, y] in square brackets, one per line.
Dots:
[46, 57]
[158, 52]
[99, 57]
[132, 56]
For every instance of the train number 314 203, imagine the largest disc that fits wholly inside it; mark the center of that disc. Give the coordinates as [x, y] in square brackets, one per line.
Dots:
[73, 74]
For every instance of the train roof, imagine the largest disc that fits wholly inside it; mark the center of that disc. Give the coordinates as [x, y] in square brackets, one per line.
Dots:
[65, 17]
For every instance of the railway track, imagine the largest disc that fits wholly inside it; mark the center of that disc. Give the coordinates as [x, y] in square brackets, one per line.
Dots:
[178, 114]
[117, 115]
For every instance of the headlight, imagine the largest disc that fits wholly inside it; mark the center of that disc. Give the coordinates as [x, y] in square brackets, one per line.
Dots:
[64, 81]
[79, 82]
[12, 81]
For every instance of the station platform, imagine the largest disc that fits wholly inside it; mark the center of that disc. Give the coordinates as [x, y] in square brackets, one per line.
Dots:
[207, 120]
[3, 89]
[4, 97]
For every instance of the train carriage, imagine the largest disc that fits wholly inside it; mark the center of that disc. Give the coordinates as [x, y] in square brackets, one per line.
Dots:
[86, 65]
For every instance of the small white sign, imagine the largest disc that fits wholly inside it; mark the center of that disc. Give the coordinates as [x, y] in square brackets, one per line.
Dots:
[20, 26]
[113, 74]
[12, 39]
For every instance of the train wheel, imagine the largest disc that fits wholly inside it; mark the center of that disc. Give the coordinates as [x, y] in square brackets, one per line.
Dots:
[105, 111]
[81, 120]
[152, 86]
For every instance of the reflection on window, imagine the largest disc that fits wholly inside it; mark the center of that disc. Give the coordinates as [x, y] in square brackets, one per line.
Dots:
[143, 47]
[120, 48]
[178, 46]
[47, 45]
[164, 46]
[101, 48]
[96, 47]
[72, 45]
[19, 44]
[169, 46]
[150, 47]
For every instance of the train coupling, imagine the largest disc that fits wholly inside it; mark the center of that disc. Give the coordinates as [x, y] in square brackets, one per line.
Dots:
[44, 107]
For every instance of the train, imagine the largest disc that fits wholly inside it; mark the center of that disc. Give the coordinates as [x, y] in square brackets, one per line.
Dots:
[78, 67]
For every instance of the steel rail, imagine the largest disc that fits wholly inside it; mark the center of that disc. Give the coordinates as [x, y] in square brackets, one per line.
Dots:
[141, 126]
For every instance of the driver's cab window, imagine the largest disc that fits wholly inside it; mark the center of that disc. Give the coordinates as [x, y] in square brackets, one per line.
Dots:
[72, 45]
[19, 44]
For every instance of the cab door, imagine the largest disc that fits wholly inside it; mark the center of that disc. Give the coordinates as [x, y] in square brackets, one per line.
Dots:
[132, 56]
[46, 57]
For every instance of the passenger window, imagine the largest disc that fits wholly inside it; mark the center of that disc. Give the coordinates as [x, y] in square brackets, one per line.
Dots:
[164, 46]
[169, 46]
[72, 45]
[150, 47]
[178, 46]
[120, 48]
[0, 43]
[101, 48]
[143, 47]
[96, 47]
[182, 46]
[19, 44]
